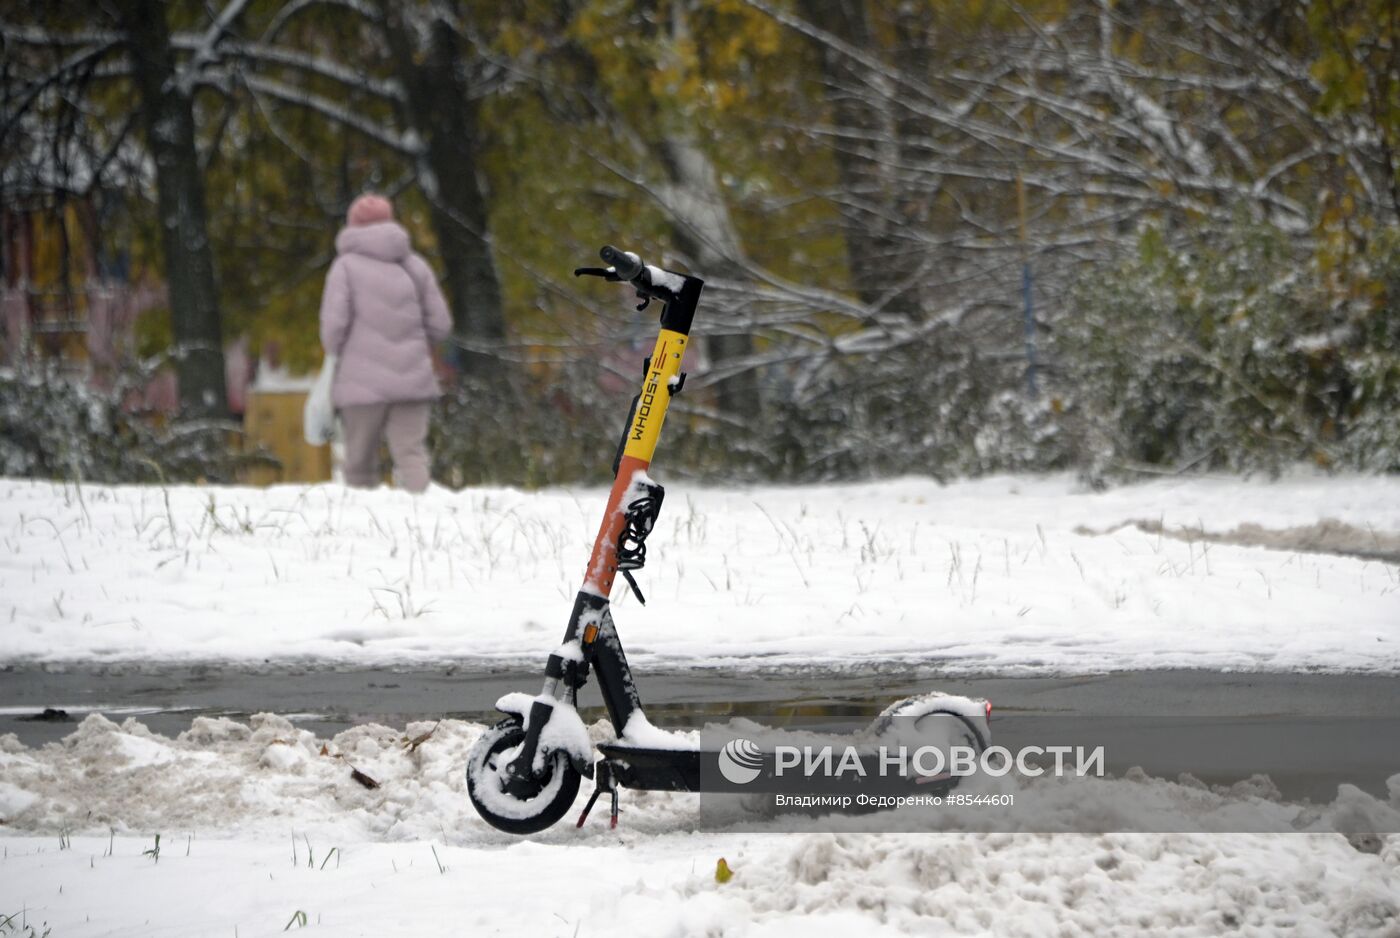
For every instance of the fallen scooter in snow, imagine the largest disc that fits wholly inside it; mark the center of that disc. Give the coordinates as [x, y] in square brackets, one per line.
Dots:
[523, 774]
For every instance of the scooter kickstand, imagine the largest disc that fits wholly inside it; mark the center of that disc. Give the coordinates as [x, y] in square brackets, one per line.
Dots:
[592, 800]
[603, 781]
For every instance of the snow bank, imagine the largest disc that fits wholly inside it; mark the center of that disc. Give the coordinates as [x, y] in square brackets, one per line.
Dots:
[373, 782]
[998, 574]
[260, 777]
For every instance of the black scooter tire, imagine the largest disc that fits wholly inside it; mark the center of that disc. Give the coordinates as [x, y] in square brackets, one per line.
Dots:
[506, 735]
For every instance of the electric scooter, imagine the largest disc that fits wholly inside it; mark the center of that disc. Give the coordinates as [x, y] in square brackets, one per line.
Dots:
[524, 773]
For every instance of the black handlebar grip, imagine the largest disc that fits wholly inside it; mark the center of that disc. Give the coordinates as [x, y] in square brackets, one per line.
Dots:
[628, 266]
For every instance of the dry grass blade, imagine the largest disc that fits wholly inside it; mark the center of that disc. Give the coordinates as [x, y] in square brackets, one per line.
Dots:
[412, 744]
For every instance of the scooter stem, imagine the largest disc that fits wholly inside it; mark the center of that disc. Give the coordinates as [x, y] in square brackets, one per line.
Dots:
[659, 384]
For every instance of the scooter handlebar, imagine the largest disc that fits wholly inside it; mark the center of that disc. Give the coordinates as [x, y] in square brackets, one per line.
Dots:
[628, 265]
[679, 292]
[649, 281]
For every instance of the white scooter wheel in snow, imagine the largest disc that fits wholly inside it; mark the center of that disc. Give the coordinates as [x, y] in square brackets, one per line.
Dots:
[551, 794]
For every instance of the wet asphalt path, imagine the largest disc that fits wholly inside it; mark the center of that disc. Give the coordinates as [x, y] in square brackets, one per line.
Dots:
[1310, 732]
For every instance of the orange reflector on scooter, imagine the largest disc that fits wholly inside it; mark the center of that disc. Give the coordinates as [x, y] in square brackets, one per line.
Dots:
[590, 632]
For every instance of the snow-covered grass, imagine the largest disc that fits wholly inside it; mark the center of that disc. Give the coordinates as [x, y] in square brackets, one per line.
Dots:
[1015, 574]
[260, 822]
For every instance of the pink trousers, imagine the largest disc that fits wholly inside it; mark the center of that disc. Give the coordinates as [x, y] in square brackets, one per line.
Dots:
[403, 426]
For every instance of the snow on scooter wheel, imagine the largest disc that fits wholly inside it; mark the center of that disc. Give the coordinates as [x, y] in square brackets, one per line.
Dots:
[943, 721]
[549, 795]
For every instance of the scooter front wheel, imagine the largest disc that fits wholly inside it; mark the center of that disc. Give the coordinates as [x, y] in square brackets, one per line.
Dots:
[547, 797]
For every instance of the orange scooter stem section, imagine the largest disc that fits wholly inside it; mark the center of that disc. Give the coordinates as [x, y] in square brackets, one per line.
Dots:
[602, 565]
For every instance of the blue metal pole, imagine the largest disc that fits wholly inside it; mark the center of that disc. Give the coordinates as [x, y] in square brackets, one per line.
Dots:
[1030, 327]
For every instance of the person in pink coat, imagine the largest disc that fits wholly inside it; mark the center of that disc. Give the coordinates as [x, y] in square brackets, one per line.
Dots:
[381, 312]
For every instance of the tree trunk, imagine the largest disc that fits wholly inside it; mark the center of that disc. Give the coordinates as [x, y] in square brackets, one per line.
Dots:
[167, 111]
[443, 113]
[875, 205]
[703, 230]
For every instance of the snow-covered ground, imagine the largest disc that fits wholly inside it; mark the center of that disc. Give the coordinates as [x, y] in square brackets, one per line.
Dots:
[1000, 574]
[960, 886]
[260, 822]
[262, 826]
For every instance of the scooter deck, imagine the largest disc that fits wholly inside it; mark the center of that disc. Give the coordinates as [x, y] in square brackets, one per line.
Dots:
[653, 769]
[679, 770]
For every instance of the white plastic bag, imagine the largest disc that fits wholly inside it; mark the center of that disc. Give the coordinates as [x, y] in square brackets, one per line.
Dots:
[318, 418]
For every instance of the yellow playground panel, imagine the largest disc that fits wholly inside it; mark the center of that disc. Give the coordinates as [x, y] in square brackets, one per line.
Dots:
[272, 421]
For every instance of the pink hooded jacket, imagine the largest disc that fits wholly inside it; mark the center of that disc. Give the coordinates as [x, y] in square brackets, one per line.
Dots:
[381, 311]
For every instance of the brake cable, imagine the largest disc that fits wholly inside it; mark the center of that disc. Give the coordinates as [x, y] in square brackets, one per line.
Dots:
[639, 521]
